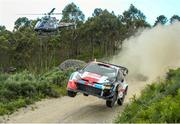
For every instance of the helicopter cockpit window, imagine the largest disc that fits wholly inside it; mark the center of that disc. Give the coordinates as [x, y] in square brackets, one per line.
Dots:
[38, 24]
[52, 24]
[43, 23]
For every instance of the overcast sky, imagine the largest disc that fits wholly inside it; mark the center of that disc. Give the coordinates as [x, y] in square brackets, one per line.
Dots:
[9, 9]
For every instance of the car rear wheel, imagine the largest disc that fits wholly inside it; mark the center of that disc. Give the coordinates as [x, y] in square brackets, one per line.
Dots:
[110, 103]
[71, 93]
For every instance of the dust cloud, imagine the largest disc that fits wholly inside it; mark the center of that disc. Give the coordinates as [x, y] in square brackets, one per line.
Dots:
[151, 52]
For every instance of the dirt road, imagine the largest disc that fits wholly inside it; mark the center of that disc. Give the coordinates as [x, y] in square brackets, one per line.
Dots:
[78, 109]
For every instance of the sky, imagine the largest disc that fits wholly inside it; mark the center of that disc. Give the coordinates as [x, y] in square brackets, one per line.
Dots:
[10, 10]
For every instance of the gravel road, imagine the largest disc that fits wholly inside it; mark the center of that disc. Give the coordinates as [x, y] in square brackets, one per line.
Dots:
[78, 109]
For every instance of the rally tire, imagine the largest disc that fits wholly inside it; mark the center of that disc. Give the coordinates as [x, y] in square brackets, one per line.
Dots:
[71, 93]
[110, 103]
[85, 94]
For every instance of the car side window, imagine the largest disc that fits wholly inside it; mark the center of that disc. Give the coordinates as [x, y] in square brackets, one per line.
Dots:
[120, 76]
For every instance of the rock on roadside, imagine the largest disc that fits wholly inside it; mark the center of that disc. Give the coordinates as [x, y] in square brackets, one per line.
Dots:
[71, 63]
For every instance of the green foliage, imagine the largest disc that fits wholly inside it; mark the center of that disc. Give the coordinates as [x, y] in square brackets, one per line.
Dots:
[10, 107]
[2, 28]
[133, 18]
[174, 18]
[20, 89]
[159, 102]
[161, 20]
[72, 13]
[21, 22]
[97, 12]
[134, 14]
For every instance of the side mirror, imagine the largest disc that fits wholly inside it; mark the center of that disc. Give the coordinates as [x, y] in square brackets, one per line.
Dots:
[80, 71]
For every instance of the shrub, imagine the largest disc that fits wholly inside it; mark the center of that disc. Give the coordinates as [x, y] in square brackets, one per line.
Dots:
[159, 102]
[20, 89]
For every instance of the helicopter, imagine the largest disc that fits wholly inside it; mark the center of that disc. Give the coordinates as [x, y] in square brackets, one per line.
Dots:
[51, 24]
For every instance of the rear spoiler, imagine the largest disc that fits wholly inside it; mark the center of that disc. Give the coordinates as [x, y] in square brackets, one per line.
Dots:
[124, 69]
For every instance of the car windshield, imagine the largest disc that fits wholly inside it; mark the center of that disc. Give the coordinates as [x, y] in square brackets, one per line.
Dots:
[101, 69]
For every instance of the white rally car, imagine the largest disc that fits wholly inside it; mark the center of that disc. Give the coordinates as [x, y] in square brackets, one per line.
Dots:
[100, 79]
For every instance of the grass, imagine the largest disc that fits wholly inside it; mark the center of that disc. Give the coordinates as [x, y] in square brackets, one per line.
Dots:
[158, 103]
[24, 88]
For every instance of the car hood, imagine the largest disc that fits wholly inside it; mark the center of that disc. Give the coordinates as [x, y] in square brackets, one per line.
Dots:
[93, 77]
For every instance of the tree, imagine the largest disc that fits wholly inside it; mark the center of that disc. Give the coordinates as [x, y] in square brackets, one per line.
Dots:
[133, 14]
[2, 28]
[72, 13]
[5, 46]
[161, 20]
[133, 19]
[174, 18]
[21, 22]
[97, 12]
[101, 32]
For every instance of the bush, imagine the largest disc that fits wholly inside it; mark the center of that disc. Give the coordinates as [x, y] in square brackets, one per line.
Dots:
[55, 76]
[20, 89]
[159, 102]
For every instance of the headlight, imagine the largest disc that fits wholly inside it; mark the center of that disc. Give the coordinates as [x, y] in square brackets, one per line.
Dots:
[107, 86]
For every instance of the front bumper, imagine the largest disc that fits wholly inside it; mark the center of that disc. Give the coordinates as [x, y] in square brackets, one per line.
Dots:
[93, 89]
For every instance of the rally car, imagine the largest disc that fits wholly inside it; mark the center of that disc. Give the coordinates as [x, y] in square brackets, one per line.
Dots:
[100, 79]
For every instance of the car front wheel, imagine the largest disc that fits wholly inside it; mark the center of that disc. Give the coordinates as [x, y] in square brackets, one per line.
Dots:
[85, 94]
[110, 103]
[71, 93]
